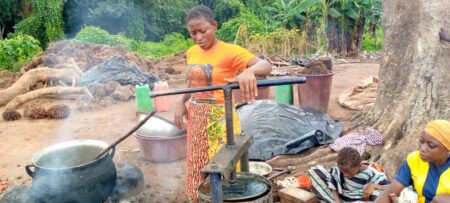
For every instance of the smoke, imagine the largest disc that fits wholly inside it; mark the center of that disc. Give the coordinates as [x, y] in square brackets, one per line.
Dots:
[114, 16]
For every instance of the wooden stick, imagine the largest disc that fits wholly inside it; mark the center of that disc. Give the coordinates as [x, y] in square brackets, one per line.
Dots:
[126, 135]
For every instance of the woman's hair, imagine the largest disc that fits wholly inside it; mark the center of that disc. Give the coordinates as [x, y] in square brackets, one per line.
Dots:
[349, 156]
[200, 11]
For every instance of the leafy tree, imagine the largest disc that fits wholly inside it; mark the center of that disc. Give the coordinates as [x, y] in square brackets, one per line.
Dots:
[76, 15]
[138, 19]
[256, 5]
[9, 16]
[229, 29]
[346, 23]
[165, 17]
[119, 16]
[341, 23]
[227, 9]
[45, 22]
[210, 3]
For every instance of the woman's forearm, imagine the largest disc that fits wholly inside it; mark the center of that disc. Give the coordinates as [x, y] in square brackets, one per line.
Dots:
[383, 197]
[184, 98]
[393, 189]
[261, 68]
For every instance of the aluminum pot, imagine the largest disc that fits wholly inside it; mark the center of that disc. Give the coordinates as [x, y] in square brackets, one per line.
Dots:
[68, 172]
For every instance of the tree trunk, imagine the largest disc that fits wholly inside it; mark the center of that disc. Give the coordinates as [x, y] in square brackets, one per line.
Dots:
[333, 32]
[354, 46]
[345, 40]
[414, 85]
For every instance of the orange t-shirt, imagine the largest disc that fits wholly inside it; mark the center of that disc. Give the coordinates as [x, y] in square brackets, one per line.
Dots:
[226, 61]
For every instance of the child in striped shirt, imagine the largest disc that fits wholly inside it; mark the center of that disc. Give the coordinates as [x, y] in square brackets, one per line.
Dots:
[349, 180]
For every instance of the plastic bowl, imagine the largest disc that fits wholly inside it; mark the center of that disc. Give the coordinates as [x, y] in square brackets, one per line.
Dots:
[304, 182]
[259, 168]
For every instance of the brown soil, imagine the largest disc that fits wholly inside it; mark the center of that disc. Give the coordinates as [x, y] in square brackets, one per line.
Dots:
[315, 67]
[164, 182]
[86, 56]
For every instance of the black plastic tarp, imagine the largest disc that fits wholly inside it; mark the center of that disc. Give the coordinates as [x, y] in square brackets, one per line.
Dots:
[285, 129]
[119, 69]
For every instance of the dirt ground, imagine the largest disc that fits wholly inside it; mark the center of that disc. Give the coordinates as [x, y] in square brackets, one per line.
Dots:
[164, 182]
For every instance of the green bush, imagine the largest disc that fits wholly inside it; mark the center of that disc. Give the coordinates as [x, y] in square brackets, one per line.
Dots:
[369, 41]
[171, 44]
[16, 51]
[96, 35]
[229, 29]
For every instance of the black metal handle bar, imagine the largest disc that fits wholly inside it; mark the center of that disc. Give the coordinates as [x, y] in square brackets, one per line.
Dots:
[234, 85]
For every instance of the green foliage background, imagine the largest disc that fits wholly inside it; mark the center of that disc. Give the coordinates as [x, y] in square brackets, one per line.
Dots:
[16, 51]
[45, 23]
[9, 16]
[172, 43]
[155, 28]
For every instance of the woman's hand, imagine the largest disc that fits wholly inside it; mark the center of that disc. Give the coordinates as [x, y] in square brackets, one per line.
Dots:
[393, 198]
[368, 190]
[180, 113]
[442, 198]
[247, 84]
[247, 79]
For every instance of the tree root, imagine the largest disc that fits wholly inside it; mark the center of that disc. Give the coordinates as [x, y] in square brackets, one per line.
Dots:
[50, 91]
[30, 78]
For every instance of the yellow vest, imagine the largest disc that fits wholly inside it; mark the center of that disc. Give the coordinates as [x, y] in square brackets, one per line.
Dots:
[419, 171]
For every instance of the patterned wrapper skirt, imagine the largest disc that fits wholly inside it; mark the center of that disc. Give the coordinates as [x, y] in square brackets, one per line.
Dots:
[206, 134]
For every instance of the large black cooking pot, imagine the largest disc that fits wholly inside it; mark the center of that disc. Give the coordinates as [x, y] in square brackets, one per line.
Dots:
[68, 172]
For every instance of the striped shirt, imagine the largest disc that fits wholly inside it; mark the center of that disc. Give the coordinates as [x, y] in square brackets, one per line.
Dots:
[351, 189]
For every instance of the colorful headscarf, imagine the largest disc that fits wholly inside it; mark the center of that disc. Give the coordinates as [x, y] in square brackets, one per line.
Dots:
[440, 129]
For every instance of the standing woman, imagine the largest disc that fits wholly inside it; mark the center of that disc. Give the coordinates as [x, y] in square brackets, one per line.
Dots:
[428, 169]
[211, 62]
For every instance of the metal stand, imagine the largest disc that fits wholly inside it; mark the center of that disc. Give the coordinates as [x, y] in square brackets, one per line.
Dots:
[222, 166]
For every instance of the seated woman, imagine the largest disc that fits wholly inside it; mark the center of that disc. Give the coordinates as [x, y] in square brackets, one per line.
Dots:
[349, 181]
[428, 169]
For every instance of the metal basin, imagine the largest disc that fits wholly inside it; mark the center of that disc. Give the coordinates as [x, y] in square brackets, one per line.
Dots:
[157, 127]
[260, 168]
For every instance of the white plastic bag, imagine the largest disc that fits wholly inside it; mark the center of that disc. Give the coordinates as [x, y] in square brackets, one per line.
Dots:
[408, 195]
